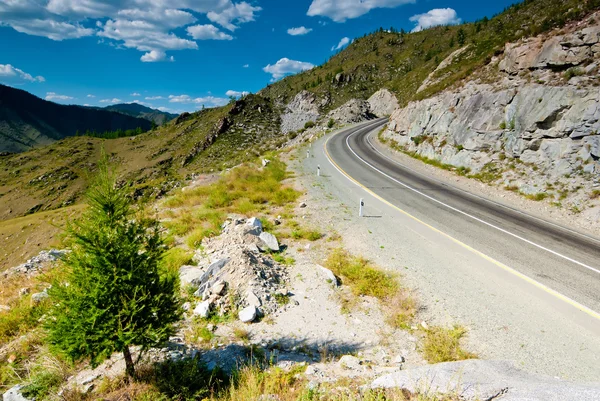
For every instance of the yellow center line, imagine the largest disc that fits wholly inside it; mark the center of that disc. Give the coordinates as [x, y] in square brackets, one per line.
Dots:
[506, 268]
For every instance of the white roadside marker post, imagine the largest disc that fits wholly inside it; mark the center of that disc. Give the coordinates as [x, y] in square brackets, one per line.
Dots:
[318, 171]
[360, 207]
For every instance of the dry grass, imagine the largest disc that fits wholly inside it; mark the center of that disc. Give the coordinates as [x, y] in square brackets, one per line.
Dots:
[401, 309]
[443, 345]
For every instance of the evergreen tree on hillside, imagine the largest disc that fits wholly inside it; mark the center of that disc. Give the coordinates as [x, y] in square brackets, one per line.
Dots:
[116, 294]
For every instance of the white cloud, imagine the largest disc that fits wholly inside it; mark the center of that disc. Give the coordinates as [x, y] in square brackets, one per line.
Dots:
[140, 102]
[435, 17]
[238, 13]
[56, 96]
[230, 93]
[135, 94]
[153, 98]
[343, 42]
[341, 10]
[209, 101]
[13, 74]
[301, 30]
[148, 26]
[286, 66]
[246, 65]
[206, 32]
[111, 101]
[90, 96]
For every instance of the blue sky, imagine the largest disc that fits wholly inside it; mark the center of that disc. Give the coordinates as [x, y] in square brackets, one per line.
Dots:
[180, 55]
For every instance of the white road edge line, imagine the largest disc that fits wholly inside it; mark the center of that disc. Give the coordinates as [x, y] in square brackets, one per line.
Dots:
[481, 197]
[468, 215]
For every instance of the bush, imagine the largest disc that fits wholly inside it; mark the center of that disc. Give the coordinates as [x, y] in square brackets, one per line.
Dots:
[309, 124]
[443, 345]
[331, 123]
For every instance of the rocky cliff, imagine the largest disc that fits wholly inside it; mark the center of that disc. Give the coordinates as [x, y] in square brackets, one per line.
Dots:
[528, 121]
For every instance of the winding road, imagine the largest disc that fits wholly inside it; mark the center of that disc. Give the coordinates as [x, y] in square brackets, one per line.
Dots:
[542, 273]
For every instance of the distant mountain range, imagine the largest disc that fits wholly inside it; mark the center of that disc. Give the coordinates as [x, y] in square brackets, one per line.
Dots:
[138, 110]
[27, 122]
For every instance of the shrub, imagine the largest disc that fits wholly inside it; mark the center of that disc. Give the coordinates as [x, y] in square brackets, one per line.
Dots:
[331, 123]
[443, 345]
[309, 124]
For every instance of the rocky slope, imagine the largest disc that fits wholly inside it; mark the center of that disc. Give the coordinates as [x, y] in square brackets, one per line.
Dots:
[527, 121]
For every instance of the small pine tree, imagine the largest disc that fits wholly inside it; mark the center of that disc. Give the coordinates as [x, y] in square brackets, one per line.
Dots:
[461, 37]
[116, 293]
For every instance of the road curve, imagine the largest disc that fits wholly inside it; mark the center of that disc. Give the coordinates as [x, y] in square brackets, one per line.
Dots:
[564, 262]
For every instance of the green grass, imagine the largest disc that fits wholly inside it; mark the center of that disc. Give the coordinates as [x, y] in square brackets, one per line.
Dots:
[174, 258]
[441, 344]
[361, 276]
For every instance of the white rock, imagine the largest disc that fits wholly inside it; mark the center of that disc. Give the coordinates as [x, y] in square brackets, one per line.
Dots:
[265, 162]
[203, 309]
[255, 225]
[186, 306]
[269, 240]
[14, 394]
[248, 314]
[328, 274]
[218, 288]
[189, 274]
[252, 299]
[39, 297]
[349, 362]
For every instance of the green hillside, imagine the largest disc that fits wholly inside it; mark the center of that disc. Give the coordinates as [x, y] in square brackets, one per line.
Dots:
[141, 111]
[216, 139]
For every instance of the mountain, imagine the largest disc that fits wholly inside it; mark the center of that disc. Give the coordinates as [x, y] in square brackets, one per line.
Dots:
[140, 111]
[27, 122]
[412, 66]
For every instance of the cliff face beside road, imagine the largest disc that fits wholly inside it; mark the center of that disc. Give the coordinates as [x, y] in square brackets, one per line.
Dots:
[527, 121]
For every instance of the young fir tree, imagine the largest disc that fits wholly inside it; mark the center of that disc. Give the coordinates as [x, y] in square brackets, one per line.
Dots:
[116, 294]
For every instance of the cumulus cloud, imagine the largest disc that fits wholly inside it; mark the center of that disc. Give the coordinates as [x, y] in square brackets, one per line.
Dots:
[209, 101]
[111, 101]
[286, 66]
[207, 32]
[90, 96]
[246, 65]
[135, 94]
[8, 73]
[148, 26]
[56, 96]
[231, 93]
[153, 98]
[236, 13]
[301, 30]
[435, 17]
[341, 10]
[343, 42]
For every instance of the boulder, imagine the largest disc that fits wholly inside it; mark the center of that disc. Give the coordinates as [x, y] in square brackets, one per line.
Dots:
[382, 103]
[350, 362]
[203, 309]
[14, 394]
[252, 299]
[188, 275]
[39, 297]
[329, 276]
[218, 288]
[255, 225]
[269, 240]
[485, 380]
[248, 314]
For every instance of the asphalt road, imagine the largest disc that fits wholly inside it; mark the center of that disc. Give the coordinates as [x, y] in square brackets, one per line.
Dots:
[546, 276]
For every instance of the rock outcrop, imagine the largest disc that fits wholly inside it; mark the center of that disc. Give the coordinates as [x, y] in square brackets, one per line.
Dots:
[530, 136]
[353, 111]
[302, 109]
[382, 103]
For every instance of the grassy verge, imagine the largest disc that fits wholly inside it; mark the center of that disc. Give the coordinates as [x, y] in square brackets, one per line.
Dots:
[248, 189]
[443, 345]
[364, 278]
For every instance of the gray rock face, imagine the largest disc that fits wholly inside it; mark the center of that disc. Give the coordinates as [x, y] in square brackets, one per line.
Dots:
[382, 103]
[247, 315]
[255, 225]
[302, 109]
[269, 240]
[484, 380]
[563, 51]
[354, 111]
[14, 394]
